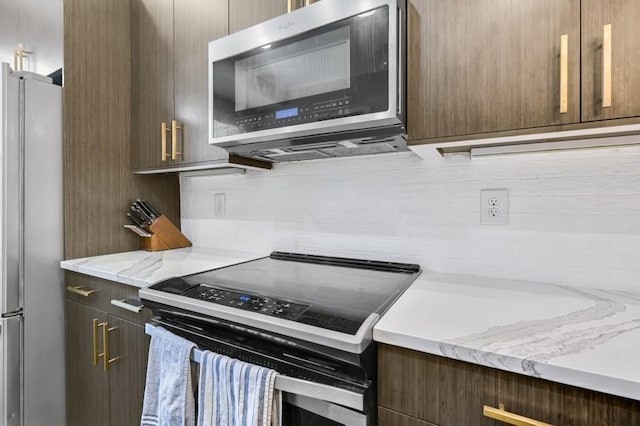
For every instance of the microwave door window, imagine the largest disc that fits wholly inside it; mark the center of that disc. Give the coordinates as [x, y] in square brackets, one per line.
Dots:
[305, 68]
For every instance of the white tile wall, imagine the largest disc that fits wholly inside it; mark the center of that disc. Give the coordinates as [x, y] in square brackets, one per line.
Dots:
[574, 215]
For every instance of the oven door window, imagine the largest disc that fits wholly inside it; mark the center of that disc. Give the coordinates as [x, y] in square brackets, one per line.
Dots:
[338, 70]
[294, 416]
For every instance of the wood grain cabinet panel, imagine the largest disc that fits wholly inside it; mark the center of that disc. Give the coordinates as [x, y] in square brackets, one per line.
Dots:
[87, 385]
[98, 184]
[623, 16]
[477, 66]
[449, 392]
[196, 23]
[130, 345]
[152, 85]
[169, 43]
[245, 13]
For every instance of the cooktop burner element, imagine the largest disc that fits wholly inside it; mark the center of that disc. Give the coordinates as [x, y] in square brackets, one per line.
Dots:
[329, 301]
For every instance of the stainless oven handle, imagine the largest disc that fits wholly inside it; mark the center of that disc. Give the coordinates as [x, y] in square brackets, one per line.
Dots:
[319, 391]
[327, 410]
[300, 387]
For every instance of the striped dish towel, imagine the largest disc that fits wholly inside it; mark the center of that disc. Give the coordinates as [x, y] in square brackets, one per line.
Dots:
[235, 393]
[168, 393]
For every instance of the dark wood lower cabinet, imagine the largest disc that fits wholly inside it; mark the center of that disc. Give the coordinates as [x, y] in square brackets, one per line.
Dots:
[447, 392]
[87, 385]
[96, 397]
[127, 374]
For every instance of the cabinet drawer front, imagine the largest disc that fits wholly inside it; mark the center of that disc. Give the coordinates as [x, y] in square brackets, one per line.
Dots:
[86, 290]
[449, 392]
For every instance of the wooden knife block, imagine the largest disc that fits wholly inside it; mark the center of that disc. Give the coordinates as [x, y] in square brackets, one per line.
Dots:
[165, 236]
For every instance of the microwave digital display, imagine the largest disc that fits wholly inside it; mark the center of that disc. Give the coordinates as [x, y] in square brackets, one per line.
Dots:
[286, 113]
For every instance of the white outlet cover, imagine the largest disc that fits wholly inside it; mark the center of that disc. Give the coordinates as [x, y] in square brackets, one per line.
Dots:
[220, 205]
[494, 207]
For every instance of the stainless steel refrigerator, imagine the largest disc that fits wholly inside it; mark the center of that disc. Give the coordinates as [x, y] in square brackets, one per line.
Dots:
[32, 379]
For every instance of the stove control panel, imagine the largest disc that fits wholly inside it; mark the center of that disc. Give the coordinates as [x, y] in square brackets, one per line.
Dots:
[266, 305]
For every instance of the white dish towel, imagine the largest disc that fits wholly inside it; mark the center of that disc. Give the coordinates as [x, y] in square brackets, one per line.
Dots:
[168, 393]
[235, 393]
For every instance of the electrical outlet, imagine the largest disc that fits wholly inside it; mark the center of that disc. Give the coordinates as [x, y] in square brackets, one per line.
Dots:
[220, 205]
[494, 206]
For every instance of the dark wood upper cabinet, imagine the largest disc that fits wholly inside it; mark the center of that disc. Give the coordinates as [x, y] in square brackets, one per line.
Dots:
[196, 23]
[152, 84]
[622, 79]
[477, 66]
[169, 45]
[245, 13]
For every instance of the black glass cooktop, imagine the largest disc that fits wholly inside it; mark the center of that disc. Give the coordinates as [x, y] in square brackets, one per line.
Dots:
[333, 293]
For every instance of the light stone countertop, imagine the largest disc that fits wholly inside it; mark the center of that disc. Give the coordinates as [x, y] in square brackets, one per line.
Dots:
[581, 337]
[142, 268]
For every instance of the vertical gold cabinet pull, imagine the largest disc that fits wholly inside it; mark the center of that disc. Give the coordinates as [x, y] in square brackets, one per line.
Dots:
[510, 418]
[308, 2]
[105, 345]
[289, 6]
[564, 73]
[96, 349]
[164, 142]
[18, 57]
[175, 126]
[606, 66]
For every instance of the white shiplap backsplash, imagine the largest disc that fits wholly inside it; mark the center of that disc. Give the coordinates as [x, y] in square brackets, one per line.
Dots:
[574, 216]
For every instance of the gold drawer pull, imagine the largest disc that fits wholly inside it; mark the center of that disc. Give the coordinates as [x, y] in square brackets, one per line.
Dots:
[510, 418]
[175, 126]
[105, 345]
[164, 142]
[79, 290]
[564, 73]
[606, 66]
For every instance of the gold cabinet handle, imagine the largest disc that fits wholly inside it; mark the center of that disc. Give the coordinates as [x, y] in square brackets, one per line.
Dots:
[79, 290]
[606, 66]
[564, 73]
[18, 57]
[289, 6]
[105, 345]
[164, 142]
[175, 126]
[308, 2]
[96, 349]
[510, 418]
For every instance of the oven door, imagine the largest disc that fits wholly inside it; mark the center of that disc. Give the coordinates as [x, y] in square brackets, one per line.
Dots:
[305, 402]
[299, 410]
[341, 73]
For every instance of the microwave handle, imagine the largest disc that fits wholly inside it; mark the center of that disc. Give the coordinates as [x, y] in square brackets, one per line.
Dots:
[399, 55]
[327, 410]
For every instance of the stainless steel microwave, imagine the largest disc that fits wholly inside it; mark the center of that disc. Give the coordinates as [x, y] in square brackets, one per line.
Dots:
[324, 80]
